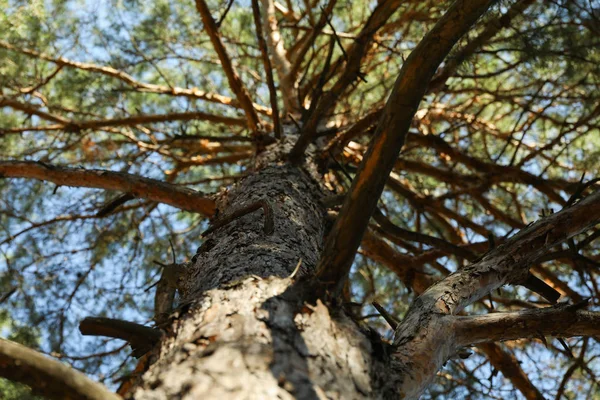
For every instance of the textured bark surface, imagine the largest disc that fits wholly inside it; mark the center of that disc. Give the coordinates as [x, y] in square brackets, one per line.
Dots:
[247, 333]
[251, 341]
[242, 248]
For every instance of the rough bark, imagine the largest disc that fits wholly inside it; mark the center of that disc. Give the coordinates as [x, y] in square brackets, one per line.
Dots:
[242, 248]
[245, 330]
[431, 332]
[255, 341]
[248, 332]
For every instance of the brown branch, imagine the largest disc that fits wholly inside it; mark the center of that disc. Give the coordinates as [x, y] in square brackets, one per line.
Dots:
[46, 376]
[152, 189]
[404, 267]
[287, 81]
[391, 229]
[491, 29]
[31, 110]
[119, 122]
[561, 321]
[309, 39]
[389, 318]
[410, 86]
[434, 311]
[268, 69]
[510, 368]
[269, 224]
[141, 338]
[497, 173]
[113, 204]
[357, 52]
[194, 93]
[235, 83]
[149, 119]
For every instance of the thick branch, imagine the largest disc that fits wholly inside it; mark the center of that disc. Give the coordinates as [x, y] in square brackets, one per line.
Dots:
[235, 83]
[46, 376]
[506, 264]
[345, 237]
[141, 338]
[152, 189]
[561, 321]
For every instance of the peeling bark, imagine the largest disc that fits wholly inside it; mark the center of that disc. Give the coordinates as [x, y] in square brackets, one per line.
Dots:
[257, 341]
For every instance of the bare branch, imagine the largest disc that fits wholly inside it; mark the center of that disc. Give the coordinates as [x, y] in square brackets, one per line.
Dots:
[506, 264]
[31, 110]
[46, 376]
[561, 321]
[309, 39]
[287, 82]
[127, 121]
[359, 49]
[510, 368]
[268, 68]
[345, 236]
[235, 83]
[152, 189]
[141, 338]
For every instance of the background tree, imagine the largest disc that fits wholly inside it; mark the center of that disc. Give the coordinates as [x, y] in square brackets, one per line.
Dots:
[156, 107]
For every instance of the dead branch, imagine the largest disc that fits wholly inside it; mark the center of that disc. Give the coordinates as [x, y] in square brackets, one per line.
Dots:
[287, 82]
[141, 338]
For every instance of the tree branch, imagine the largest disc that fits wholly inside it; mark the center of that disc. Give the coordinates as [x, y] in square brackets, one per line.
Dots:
[382, 12]
[46, 376]
[491, 29]
[561, 321]
[152, 189]
[510, 368]
[268, 69]
[194, 93]
[64, 123]
[141, 338]
[345, 237]
[235, 83]
[31, 110]
[506, 264]
[287, 81]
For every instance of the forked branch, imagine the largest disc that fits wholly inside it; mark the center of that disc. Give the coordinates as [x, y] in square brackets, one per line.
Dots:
[410, 86]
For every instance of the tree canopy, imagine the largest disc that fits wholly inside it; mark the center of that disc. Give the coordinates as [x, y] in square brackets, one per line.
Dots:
[128, 118]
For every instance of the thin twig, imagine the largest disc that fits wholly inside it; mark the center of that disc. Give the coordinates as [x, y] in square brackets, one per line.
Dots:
[222, 18]
[389, 318]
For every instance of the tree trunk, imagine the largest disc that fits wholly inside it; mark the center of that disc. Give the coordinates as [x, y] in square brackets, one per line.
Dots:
[248, 332]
